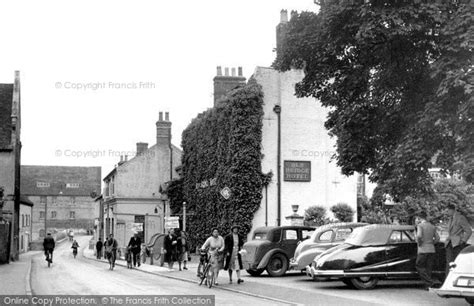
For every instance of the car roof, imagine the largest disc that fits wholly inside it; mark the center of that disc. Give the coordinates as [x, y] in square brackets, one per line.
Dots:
[265, 229]
[340, 225]
[375, 234]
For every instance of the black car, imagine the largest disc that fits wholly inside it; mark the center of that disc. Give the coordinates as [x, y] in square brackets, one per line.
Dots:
[373, 252]
[272, 247]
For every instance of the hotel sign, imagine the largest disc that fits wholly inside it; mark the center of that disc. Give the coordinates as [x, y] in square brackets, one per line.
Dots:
[297, 171]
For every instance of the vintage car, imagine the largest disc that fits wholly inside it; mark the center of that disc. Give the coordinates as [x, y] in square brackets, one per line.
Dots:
[373, 252]
[323, 238]
[272, 247]
[460, 280]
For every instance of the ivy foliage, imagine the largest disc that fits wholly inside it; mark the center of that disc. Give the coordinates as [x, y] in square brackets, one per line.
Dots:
[222, 148]
[343, 212]
[315, 216]
[397, 76]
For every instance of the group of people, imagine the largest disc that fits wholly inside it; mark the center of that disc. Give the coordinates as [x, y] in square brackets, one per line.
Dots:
[229, 247]
[459, 232]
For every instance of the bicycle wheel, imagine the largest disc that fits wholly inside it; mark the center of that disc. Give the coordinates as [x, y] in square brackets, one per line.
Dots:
[204, 273]
[210, 279]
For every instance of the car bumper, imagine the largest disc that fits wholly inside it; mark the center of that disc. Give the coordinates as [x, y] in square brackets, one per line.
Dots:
[294, 265]
[453, 293]
[313, 273]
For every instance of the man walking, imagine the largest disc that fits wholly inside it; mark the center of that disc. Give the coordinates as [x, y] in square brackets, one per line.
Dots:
[426, 236]
[135, 247]
[48, 246]
[98, 247]
[459, 232]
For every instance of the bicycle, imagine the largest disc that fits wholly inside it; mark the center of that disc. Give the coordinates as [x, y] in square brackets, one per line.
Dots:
[207, 275]
[49, 257]
[111, 258]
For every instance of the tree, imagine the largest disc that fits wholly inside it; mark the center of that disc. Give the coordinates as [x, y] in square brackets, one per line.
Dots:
[315, 215]
[343, 212]
[397, 78]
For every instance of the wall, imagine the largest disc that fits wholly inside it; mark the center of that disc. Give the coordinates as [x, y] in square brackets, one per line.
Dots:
[303, 138]
[25, 227]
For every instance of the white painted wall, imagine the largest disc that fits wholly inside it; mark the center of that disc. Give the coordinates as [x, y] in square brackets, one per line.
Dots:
[303, 138]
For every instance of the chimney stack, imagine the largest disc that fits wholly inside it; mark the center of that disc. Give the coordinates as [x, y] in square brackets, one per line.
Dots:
[282, 29]
[163, 130]
[283, 16]
[141, 147]
[223, 84]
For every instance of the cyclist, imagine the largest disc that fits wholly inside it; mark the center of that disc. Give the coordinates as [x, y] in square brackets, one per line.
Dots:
[74, 247]
[48, 246]
[216, 246]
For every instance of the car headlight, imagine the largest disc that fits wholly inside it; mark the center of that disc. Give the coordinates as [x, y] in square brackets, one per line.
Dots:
[464, 282]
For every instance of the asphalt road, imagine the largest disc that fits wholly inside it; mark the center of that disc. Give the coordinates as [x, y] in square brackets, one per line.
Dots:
[82, 276]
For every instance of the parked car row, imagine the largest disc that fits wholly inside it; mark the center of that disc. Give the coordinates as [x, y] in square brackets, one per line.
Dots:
[358, 254]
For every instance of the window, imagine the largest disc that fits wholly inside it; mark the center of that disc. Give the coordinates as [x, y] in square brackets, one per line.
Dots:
[399, 237]
[42, 185]
[54, 199]
[72, 215]
[43, 199]
[276, 236]
[23, 220]
[73, 200]
[27, 220]
[53, 215]
[41, 214]
[260, 236]
[72, 185]
[342, 234]
[290, 235]
[326, 236]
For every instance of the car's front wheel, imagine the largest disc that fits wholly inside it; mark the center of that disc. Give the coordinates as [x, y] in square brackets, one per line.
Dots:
[277, 265]
[255, 272]
[365, 282]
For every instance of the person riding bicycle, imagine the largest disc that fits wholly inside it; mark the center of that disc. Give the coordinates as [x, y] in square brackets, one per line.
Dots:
[111, 249]
[215, 245]
[48, 246]
[74, 247]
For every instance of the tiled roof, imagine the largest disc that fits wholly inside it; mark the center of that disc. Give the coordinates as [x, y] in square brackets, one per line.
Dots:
[54, 180]
[6, 95]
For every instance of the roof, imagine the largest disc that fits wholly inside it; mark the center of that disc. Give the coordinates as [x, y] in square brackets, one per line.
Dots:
[269, 228]
[375, 234]
[6, 101]
[340, 225]
[24, 200]
[60, 180]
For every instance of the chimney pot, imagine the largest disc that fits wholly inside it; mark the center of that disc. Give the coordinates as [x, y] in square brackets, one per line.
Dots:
[283, 16]
[240, 71]
[219, 70]
[233, 71]
[167, 116]
[160, 116]
[226, 71]
[293, 14]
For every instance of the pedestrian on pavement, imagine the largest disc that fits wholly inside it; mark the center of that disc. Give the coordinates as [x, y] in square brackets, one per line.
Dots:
[111, 246]
[459, 232]
[48, 246]
[170, 246]
[216, 246]
[183, 250]
[74, 247]
[135, 247]
[98, 247]
[426, 237]
[233, 244]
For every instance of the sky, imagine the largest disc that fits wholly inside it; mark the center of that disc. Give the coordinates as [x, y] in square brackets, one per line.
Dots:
[95, 74]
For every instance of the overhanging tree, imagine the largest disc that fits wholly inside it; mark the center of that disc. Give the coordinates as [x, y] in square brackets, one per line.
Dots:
[397, 77]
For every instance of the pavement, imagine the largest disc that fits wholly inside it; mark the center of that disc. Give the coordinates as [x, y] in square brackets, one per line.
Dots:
[17, 273]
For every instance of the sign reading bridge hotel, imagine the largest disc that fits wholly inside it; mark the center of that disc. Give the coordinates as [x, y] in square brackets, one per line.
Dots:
[297, 171]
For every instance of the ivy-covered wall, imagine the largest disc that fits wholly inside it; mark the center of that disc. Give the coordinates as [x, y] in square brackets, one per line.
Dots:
[222, 148]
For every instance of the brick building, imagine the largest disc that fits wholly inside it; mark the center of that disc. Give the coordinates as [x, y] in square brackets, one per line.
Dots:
[63, 197]
[132, 201]
[10, 153]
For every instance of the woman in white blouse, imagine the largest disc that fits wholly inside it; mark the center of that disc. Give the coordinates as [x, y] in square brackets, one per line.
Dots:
[216, 245]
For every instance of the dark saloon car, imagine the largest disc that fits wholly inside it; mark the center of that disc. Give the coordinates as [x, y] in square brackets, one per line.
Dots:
[272, 247]
[373, 252]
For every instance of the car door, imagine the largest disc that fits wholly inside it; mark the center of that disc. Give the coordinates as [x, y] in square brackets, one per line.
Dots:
[401, 252]
[289, 240]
